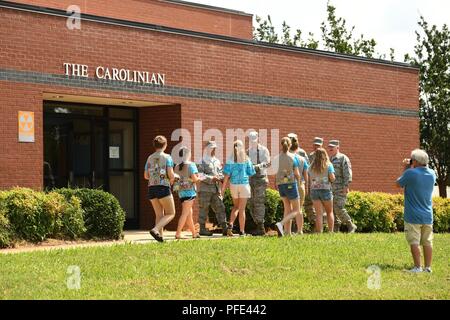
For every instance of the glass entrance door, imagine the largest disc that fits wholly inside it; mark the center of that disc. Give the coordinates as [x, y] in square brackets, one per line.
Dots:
[74, 153]
[80, 145]
[92, 147]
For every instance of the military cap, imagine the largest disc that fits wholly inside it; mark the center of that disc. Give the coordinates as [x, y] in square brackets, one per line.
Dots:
[334, 143]
[318, 141]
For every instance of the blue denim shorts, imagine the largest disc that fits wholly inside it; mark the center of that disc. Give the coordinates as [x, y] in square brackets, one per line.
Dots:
[289, 191]
[183, 199]
[321, 194]
[158, 192]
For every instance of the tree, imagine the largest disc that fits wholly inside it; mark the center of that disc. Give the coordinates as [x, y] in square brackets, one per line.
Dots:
[432, 56]
[266, 32]
[335, 35]
[338, 38]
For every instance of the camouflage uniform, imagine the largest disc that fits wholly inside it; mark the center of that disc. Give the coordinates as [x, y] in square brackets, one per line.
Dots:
[260, 158]
[209, 194]
[308, 205]
[303, 153]
[343, 172]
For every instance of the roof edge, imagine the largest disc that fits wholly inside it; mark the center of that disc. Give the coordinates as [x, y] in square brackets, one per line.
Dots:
[184, 32]
[208, 7]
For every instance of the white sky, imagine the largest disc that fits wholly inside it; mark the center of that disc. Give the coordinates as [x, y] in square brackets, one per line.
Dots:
[390, 22]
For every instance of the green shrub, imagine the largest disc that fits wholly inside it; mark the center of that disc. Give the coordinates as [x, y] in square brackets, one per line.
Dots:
[69, 223]
[103, 216]
[274, 207]
[6, 234]
[24, 208]
[441, 210]
[374, 212]
[382, 212]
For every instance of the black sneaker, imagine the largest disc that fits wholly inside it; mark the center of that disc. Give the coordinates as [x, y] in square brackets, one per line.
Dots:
[156, 236]
[242, 234]
[205, 232]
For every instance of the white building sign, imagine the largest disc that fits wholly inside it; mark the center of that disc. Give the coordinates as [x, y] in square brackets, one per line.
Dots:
[115, 74]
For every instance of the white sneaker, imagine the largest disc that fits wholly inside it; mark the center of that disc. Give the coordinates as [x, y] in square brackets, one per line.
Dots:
[416, 270]
[279, 229]
[428, 270]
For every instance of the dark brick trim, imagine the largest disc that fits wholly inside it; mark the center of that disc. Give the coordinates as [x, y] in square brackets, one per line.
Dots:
[194, 93]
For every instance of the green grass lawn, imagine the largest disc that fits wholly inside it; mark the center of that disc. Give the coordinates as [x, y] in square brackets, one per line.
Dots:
[308, 267]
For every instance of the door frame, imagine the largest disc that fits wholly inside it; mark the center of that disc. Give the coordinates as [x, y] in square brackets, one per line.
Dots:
[104, 120]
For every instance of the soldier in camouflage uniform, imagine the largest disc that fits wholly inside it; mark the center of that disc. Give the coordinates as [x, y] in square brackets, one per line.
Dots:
[309, 210]
[260, 157]
[343, 169]
[210, 174]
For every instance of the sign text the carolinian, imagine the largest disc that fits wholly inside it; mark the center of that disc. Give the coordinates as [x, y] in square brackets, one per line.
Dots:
[115, 74]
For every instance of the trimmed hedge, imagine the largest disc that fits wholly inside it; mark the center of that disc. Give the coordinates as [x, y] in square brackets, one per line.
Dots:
[441, 214]
[103, 216]
[371, 212]
[6, 235]
[26, 214]
[381, 212]
[69, 223]
[34, 216]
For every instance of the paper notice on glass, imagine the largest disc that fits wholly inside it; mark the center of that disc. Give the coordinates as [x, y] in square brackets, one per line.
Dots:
[114, 152]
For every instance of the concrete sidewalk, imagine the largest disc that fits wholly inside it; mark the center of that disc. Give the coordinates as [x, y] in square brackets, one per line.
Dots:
[141, 236]
[131, 236]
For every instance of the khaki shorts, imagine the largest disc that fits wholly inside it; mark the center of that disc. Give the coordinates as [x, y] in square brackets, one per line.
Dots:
[302, 192]
[240, 191]
[419, 234]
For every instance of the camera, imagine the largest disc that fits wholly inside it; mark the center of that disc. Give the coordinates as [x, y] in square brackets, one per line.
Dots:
[410, 162]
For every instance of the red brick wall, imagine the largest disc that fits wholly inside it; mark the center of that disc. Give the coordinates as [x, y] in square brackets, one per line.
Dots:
[161, 13]
[376, 144]
[34, 42]
[21, 164]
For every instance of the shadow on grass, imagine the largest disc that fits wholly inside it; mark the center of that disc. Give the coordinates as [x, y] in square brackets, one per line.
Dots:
[393, 267]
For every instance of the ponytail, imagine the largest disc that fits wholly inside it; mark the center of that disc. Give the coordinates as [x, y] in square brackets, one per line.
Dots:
[183, 154]
[294, 144]
[286, 144]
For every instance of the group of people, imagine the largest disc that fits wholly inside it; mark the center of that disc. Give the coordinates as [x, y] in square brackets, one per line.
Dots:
[318, 182]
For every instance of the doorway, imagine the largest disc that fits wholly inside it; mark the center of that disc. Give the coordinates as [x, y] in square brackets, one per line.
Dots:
[93, 146]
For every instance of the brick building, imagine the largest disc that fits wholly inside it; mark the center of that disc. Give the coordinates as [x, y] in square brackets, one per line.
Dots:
[92, 130]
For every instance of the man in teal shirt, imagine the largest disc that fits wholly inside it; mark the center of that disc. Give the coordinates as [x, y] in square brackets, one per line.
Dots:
[418, 182]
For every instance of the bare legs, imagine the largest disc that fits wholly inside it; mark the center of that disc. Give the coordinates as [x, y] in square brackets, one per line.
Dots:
[328, 206]
[159, 212]
[239, 205]
[428, 255]
[186, 218]
[291, 211]
[427, 252]
[164, 211]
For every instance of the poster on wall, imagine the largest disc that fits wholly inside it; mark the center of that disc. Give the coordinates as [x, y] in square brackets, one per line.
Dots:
[26, 126]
